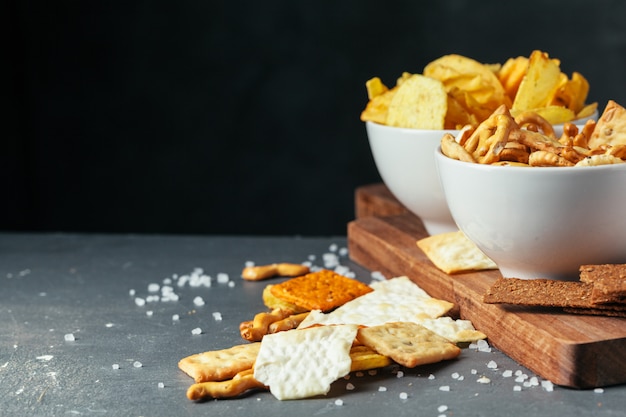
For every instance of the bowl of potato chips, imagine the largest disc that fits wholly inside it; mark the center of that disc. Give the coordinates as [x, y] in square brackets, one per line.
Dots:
[405, 123]
[538, 205]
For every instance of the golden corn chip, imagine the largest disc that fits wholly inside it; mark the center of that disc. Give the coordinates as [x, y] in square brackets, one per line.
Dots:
[375, 87]
[419, 103]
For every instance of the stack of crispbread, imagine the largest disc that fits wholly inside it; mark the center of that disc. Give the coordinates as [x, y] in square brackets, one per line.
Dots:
[601, 290]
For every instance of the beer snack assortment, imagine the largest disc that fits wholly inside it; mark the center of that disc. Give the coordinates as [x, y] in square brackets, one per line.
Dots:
[335, 325]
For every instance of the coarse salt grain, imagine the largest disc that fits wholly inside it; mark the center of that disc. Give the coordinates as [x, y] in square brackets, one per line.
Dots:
[131, 292]
[343, 251]
[507, 374]
[109, 325]
[160, 385]
[69, 337]
[198, 301]
[492, 365]
[137, 364]
[349, 386]
[431, 376]
[455, 375]
[196, 331]
[382, 389]
[598, 390]
[547, 385]
[442, 408]
[140, 301]
[483, 380]
[153, 287]
[339, 402]
[400, 374]
[115, 366]
[444, 388]
[149, 313]
[517, 388]
[403, 395]
[222, 278]
[175, 317]
[217, 316]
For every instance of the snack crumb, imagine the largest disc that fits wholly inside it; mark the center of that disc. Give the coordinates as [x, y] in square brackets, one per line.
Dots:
[349, 386]
[400, 374]
[483, 380]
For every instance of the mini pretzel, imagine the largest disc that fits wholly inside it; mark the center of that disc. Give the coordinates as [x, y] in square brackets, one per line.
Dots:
[490, 138]
[547, 159]
[257, 273]
[514, 152]
[532, 118]
[253, 331]
[288, 323]
[452, 148]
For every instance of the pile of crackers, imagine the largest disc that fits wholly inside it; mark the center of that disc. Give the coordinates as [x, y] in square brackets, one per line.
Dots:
[601, 290]
[321, 326]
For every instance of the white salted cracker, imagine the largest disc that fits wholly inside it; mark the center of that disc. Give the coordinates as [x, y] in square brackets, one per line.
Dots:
[304, 363]
[397, 299]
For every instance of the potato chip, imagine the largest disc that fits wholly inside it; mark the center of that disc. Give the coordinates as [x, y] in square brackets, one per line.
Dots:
[540, 81]
[453, 252]
[511, 75]
[419, 103]
[553, 114]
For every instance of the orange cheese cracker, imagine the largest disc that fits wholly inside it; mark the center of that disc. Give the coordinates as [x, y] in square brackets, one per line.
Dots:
[321, 290]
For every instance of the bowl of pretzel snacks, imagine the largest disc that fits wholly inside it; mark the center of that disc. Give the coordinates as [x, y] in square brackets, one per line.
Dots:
[405, 123]
[537, 203]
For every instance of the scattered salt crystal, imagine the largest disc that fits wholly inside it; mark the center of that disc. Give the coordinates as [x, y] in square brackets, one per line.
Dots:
[483, 380]
[382, 389]
[161, 385]
[198, 301]
[333, 247]
[131, 292]
[349, 386]
[153, 287]
[473, 371]
[167, 281]
[175, 317]
[149, 313]
[377, 276]
[69, 337]
[137, 364]
[311, 258]
[442, 408]
[455, 375]
[339, 402]
[196, 331]
[331, 260]
[342, 270]
[444, 388]
[343, 251]
[431, 376]
[598, 390]
[140, 301]
[461, 378]
[492, 365]
[483, 346]
[152, 299]
[403, 395]
[547, 385]
[222, 278]
[534, 381]
[217, 316]
[115, 366]
[249, 264]
[45, 357]
[43, 294]
[507, 374]
[231, 284]
[400, 374]
[517, 388]
[521, 378]
[109, 325]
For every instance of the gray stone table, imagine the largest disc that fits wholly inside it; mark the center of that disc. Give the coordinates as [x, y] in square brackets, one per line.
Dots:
[75, 342]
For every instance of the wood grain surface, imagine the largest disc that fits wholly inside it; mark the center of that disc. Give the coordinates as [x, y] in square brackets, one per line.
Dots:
[571, 350]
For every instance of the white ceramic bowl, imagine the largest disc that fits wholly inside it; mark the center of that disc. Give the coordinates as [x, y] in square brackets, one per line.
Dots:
[539, 222]
[405, 162]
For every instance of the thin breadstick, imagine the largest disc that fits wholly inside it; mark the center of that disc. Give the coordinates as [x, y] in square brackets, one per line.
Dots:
[288, 323]
[257, 273]
[240, 383]
[260, 324]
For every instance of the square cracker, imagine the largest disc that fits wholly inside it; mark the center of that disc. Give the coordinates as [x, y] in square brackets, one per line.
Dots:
[453, 252]
[321, 290]
[408, 344]
[219, 365]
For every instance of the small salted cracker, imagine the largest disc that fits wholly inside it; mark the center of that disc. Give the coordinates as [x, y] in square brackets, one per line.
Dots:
[456, 331]
[321, 290]
[395, 299]
[408, 344]
[611, 127]
[304, 363]
[453, 252]
[219, 365]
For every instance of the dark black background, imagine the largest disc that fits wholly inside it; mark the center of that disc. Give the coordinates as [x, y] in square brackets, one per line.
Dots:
[238, 117]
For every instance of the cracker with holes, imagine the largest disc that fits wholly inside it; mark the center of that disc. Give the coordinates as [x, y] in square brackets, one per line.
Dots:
[408, 344]
[453, 252]
[321, 290]
[303, 363]
[219, 365]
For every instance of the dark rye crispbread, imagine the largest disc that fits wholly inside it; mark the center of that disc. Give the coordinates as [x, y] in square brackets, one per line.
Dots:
[548, 293]
[608, 280]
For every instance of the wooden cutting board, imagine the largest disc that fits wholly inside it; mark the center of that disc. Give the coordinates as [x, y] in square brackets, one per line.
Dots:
[570, 350]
